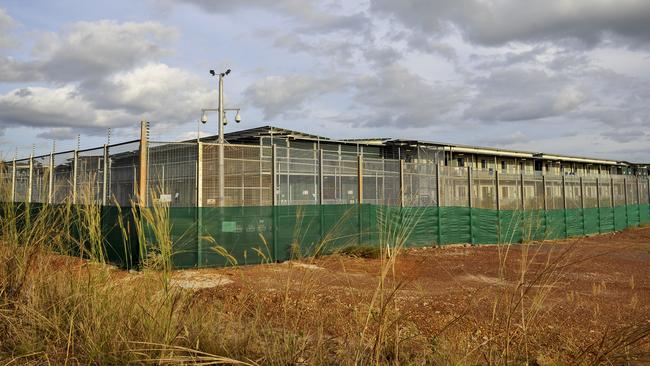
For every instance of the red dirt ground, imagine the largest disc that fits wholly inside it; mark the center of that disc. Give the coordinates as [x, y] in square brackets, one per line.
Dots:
[593, 287]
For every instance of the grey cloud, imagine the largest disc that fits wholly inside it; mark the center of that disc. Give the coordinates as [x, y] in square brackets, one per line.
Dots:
[521, 94]
[6, 23]
[61, 133]
[496, 23]
[625, 135]
[277, 95]
[514, 138]
[397, 97]
[313, 19]
[424, 43]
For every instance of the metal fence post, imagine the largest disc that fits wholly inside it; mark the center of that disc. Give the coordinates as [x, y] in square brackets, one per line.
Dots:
[320, 194]
[544, 192]
[497, 186]
[401, 183]
[598, 203]
[274, 167]
[638, 198]
[611, 200]
[74, 176]
[627, 219]
[438, 203]
[522, 190]
[566, 228]
[105, 177]
[13, 181]
[144, 168]
[199, 203]
[274, 188]
[360, 195]
[320, 176]
[360, 179]
[470, 203]
[582, 204]
[31, 178]
[50, 184]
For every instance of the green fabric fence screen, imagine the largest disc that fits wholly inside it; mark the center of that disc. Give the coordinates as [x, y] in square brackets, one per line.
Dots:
[221, 236]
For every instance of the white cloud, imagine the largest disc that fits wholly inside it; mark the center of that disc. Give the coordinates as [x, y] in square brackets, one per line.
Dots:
[90, 51]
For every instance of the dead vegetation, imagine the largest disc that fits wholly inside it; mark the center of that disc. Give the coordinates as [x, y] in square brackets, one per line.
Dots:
[571, 302]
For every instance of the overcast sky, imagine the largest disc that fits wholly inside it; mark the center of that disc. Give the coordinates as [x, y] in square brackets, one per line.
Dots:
[563, 76]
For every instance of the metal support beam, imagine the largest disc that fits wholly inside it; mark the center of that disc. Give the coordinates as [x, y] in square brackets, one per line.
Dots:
[469, 187]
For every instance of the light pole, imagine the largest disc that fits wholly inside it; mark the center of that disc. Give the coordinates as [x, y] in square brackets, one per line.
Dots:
[221, 139]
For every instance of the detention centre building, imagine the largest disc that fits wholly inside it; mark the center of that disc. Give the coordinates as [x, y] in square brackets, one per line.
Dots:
[274, 191]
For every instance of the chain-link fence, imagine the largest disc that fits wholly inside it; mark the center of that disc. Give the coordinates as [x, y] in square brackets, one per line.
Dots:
[209, 174]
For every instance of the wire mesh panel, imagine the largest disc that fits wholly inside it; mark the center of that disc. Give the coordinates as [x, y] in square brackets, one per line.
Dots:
[619, 191]
[246, 175]
[643, 190]
[554, 195]
[590, 191]
[605, 192]
[63, 177]
[6, 177]
[484, 189]
[381, 181]
[572, 192]
[22, 180]
[632, 197]
[90, 176]
[40, 179]
[123, 170]
[340, 178]
[172, 173]
[420, 184]
[297, 176]
[454, 187]
[510, 191]
[533, 192]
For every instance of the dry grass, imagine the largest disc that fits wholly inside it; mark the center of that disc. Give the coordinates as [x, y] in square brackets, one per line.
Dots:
[54, 309]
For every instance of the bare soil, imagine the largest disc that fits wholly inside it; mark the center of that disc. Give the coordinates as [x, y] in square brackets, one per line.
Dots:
[599, 288]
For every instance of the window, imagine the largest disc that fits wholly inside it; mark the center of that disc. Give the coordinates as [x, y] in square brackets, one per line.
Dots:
[503, 165]
[521, 166]
[461, 162]
[483, 164]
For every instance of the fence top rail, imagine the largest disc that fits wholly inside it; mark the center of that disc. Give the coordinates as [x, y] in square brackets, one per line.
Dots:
[122, 143]
[189, 143]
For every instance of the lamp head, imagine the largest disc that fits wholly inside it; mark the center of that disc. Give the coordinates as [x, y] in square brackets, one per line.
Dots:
[238, 117]
[204, 118]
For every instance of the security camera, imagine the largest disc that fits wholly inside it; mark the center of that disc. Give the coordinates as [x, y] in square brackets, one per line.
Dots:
[212, 72]
[227, 71]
